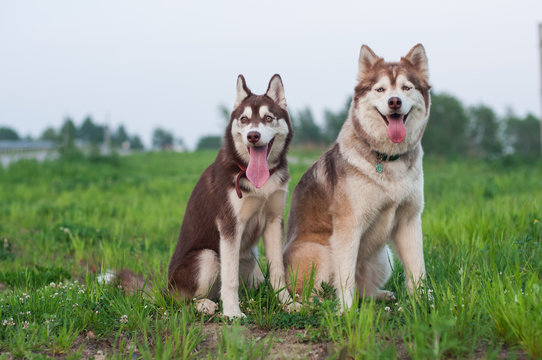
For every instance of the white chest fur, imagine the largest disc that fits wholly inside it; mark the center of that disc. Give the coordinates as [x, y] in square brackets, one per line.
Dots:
[257, 208]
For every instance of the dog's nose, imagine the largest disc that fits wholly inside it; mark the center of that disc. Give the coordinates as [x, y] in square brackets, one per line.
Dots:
[394, 103]
[253, 137]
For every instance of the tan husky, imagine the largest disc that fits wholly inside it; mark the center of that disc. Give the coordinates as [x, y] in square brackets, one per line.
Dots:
[367, 190]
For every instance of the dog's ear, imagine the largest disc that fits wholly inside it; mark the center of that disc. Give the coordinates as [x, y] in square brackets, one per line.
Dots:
[242, 90]
[416, 56]
[275, 91]
[367, 59]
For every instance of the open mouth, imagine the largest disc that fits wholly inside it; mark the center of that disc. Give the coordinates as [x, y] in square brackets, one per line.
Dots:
[393, 117]
[395, 123]
[260, 148]
[257, 169]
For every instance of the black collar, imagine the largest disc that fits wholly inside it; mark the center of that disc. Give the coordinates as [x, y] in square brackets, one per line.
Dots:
[385, 157]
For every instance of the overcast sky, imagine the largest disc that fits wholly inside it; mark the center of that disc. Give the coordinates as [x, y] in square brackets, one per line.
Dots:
[171, 63]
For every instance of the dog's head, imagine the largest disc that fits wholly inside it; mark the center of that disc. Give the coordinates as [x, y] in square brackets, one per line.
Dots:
[260, 129]
[392, 100]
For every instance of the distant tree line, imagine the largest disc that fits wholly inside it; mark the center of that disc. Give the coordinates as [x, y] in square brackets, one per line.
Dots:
[88, 133]
[93, 134]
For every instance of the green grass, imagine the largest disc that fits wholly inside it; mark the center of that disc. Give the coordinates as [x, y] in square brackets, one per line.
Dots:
[63, 222]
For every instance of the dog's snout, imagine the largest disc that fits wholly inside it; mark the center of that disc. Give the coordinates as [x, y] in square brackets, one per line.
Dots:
[394, 103]
[253, 137]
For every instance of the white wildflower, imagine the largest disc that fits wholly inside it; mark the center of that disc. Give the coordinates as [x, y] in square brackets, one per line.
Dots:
[124, 319]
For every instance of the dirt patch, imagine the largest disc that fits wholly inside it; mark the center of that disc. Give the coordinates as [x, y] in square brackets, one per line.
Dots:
[286, 343]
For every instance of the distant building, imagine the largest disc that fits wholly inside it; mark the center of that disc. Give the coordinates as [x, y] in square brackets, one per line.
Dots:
[10, 146]
[14, 150]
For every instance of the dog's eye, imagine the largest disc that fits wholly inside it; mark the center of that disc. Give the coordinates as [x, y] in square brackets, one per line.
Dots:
[243, 119]
[268, 118]
[380, 89]
[406, 88]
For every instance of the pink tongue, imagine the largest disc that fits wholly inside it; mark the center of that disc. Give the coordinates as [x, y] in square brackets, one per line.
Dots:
[257, 171]
[396, 129]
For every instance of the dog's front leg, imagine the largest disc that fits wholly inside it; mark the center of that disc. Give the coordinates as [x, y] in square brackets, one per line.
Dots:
[229, 274]
[408, 243]
[345, 246]
[272, 239]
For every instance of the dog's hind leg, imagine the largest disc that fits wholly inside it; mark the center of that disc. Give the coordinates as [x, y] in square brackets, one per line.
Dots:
[372, 274]
[207, 276]
[207, 282]
[307, 266]
[196, 275]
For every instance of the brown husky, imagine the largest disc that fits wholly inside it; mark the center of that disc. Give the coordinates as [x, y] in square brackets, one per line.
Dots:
[238, 199]
[367, 190]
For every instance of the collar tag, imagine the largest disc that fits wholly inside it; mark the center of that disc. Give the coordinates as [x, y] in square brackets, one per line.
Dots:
[380, 157]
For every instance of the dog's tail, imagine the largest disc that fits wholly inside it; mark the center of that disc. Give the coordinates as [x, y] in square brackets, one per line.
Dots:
[130, 282]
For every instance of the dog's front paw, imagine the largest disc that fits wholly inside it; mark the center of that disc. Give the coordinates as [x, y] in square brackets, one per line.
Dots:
[206, 306]
[233, 313]
[385, 295]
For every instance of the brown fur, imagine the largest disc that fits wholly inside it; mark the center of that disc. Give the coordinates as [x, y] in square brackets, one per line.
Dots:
[209, 204]
[342, 195]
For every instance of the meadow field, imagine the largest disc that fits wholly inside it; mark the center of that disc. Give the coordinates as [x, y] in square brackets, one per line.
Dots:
[64, 222]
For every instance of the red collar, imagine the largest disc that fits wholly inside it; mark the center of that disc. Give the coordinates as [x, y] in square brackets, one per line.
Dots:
[243, 173]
